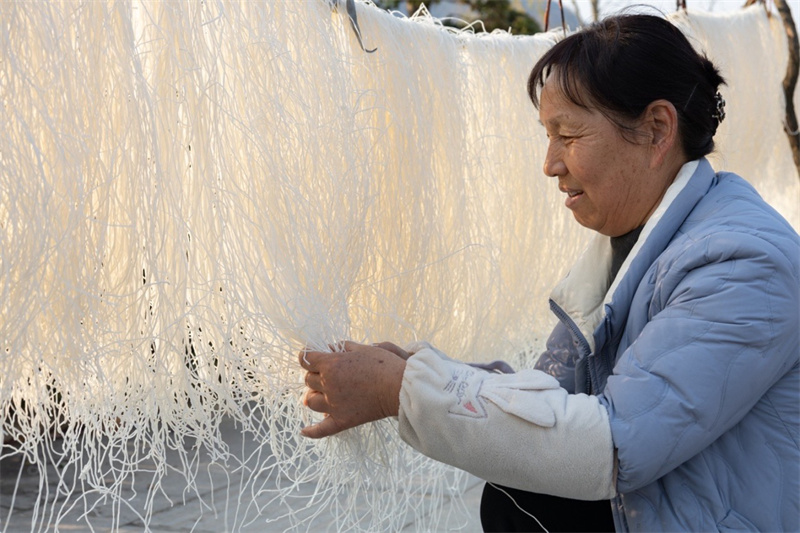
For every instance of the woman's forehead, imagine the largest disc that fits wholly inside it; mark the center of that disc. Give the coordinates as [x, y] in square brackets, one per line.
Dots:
[556, 107]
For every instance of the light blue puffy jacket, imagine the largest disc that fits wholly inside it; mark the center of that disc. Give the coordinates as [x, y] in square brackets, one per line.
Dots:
[697, 360]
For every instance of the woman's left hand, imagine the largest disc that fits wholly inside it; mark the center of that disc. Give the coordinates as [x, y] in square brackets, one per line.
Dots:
[358, 385]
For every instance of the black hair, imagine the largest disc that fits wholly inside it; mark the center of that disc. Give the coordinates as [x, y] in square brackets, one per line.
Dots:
[623, 63]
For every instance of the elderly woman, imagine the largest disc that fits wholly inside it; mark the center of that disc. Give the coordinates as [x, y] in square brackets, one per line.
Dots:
[667, 399]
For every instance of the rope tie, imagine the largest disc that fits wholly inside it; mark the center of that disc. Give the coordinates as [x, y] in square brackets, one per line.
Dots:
[353, 16]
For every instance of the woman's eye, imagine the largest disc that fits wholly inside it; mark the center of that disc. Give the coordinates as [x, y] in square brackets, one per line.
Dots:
[560, 137]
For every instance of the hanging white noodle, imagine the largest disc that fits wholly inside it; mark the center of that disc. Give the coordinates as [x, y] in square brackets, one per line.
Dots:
[192, 192]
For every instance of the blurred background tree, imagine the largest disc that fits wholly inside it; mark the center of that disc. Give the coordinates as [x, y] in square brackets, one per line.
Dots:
[499, 14]
[495, 14]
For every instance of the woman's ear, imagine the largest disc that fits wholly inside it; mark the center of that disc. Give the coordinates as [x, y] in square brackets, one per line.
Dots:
[662, 120]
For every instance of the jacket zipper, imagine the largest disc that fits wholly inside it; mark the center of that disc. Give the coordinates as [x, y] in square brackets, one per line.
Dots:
[583, 345]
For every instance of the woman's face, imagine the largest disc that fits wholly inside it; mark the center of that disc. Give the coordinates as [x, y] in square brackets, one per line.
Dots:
[606, 178]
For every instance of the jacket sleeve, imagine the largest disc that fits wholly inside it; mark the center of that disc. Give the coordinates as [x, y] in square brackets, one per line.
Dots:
[723, 329]
[521, 430]
[559, 358]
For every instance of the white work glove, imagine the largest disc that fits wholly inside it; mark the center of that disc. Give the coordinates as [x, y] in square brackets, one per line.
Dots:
[520, 430]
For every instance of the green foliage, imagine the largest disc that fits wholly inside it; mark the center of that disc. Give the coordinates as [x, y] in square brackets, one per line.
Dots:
[495, 14]
[498, 14]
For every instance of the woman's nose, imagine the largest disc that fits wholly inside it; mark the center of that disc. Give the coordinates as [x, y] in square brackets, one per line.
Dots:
[553, 162]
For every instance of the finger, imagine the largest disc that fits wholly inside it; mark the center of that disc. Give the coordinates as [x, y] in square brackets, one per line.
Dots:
[306, 393]
[327, 427]
[314, 381]
[351, 346]
[316, 401]
[307, 358]
[395, 349]
[338, 346]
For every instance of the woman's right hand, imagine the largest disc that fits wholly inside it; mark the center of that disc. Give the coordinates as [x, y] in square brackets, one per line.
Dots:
[351, 386]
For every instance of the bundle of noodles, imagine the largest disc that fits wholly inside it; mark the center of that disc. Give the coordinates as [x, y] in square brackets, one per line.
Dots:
[192, 192]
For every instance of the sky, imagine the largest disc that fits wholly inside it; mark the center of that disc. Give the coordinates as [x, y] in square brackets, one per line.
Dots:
[714, 6]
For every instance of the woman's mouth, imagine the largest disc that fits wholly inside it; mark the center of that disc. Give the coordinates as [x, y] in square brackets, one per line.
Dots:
[573, 197]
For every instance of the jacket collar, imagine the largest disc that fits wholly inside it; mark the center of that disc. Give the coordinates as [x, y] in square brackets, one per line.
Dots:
[584, 295]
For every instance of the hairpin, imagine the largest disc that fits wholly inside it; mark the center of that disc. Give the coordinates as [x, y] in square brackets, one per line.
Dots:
[719, 111]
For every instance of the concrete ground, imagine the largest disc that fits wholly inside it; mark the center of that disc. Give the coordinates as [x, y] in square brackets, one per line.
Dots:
[216, 506]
